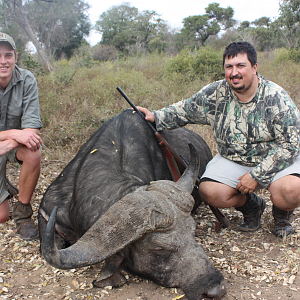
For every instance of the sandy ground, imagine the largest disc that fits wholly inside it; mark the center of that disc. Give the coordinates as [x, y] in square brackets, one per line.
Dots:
[255, 266]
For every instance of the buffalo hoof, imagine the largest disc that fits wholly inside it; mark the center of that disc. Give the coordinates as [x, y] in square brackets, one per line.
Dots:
[117, 279]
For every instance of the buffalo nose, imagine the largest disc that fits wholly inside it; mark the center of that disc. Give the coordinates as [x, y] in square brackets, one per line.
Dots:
[218, 291]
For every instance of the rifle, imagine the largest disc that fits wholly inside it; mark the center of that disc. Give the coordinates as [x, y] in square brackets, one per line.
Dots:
[181, 163]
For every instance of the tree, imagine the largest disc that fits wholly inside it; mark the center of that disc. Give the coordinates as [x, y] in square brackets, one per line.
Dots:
[50, 25]
[197, 29]
[289, 21]
[117, 25]
[261, 33]
[13, 10]
[223, 16]
[60, 26]
[123, 26]
[150, 28]
[262, 22]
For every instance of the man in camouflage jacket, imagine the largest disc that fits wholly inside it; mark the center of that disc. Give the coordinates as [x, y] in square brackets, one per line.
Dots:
[256, 126]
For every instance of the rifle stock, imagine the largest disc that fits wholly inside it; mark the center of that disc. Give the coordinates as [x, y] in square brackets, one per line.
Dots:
[182, 165]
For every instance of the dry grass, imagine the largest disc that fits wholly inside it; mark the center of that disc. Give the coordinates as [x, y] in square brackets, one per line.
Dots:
[75, 101]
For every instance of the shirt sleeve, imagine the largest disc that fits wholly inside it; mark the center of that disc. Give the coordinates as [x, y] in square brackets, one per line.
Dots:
[287, 142]
[199, 109]
[31, 109]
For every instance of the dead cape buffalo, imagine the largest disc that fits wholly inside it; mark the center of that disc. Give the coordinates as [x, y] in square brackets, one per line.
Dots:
[116, 202]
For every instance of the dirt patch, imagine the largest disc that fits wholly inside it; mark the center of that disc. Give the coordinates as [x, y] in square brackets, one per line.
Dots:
[255, 266]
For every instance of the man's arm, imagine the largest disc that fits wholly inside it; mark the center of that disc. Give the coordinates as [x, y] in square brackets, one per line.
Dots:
[11, 139]
[286, 128]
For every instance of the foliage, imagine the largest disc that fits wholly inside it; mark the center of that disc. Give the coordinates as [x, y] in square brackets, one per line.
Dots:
[102, 52]
[116, 26]
[284, 55]
[75, 100]
[202, 63]
[220, 41]
[87, 60]
[295, 55]
[20, 39]
[123, 26]
[55, 28]
[29, 63]
[158, 45]
[61, 26]
[289, 21]
[197, 29]
[222, 16]
[261, 33]
[14, 11]
[58, 28]
[151, 31]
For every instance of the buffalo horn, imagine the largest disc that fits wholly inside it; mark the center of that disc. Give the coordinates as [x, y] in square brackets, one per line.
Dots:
[124, 222]
[188, 178]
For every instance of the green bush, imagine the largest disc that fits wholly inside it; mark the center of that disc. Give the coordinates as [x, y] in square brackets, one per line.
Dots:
[285, 54]
[203, 63]
[208, 63]
[182, 63]
[28, 62]
[295, 55]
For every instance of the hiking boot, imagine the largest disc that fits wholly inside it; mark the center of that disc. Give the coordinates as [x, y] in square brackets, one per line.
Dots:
[13, 191]
[282, 218]
[24, 225]
[252, 211]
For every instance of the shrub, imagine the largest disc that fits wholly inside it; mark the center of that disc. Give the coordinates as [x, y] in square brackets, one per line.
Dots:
[295, 55]
[208, 63]
[285, 54]
[202, 63]
[182, 63]
[102, 52]
[28, 62]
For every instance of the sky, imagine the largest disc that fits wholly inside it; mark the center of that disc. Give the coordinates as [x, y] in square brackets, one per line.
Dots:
[175, 11]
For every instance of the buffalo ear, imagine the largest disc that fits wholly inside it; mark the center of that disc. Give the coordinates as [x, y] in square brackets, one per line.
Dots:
[125, 222]
[110, 274]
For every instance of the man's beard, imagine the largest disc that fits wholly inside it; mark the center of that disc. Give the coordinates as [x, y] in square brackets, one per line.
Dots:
[241, 89]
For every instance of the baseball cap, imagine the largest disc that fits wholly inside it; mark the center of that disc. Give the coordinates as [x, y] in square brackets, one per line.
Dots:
[6, 38]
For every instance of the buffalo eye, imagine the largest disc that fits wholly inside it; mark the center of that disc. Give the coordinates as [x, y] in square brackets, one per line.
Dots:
[162, 253]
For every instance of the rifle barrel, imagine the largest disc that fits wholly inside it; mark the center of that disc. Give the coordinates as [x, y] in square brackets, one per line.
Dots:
[134, 107]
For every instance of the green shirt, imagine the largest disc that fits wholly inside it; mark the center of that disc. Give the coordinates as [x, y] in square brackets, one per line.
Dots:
[20, 102]
[263, 133]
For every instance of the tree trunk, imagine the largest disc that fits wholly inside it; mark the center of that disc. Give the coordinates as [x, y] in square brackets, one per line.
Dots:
[22, 21]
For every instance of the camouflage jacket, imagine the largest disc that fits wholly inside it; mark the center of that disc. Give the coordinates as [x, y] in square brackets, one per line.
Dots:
[262, 133]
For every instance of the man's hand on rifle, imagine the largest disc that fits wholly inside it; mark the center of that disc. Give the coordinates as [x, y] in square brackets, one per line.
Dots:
[149, 116]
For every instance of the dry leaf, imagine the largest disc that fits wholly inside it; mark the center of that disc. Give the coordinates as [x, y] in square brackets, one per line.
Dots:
[178, 297]
[291, 279]
[236, 249]
[75, 284]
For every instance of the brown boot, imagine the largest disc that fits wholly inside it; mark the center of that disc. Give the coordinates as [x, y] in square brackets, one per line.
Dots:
[252, 211]
[283, 226]
[25, 227]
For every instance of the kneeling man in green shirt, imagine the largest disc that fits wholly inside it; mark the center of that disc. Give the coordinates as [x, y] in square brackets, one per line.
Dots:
[19, 137]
